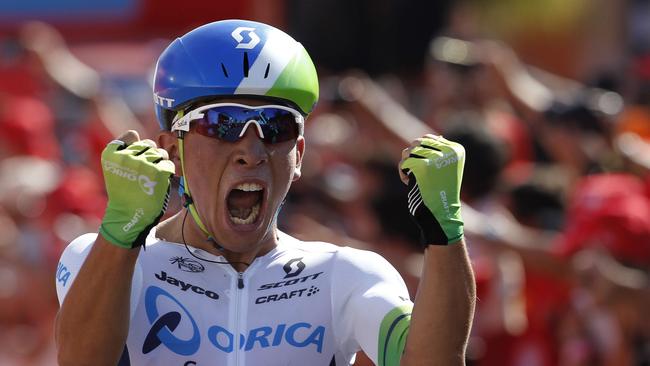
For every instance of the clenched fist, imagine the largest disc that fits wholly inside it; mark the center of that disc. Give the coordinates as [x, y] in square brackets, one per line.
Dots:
[433, 169]
[137, 177]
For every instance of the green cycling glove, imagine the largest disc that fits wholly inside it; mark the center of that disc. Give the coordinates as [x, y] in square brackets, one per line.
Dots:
[435, 170]
[137, 181]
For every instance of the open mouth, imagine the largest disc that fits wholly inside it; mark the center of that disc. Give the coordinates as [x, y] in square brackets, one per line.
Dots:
[244, 203]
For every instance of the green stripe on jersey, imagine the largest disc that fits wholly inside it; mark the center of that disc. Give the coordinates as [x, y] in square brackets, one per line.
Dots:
[392, 335]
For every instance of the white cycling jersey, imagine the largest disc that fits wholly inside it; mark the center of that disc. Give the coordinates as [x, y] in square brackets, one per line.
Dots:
[303, 303]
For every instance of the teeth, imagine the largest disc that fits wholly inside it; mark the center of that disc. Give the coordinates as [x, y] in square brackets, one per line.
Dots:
[249, 187]
[255, 211]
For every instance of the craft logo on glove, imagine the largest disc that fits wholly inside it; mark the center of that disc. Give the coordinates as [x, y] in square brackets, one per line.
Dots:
[146, 184]
[445, 203]
[139, 212]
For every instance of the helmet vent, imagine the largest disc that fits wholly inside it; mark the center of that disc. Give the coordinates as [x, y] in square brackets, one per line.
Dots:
[266, 73]
[246, 67]
[223, 68]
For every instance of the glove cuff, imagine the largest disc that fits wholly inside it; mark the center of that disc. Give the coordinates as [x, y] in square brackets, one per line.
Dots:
[431, 232]
[112, 239]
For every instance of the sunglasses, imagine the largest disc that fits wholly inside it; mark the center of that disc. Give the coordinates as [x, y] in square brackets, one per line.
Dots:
[229, 122]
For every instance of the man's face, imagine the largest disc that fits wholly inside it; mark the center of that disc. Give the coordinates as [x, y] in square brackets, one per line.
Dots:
[239, 186]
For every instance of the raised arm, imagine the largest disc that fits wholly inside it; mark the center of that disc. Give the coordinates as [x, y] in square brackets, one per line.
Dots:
[444, 308]
[93, 321]
[444, 305]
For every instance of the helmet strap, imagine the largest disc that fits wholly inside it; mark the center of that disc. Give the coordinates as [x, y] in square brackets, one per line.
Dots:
[187, 196]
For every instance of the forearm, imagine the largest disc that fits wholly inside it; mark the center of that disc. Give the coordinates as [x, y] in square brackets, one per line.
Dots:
[92, 324]
[444, 308]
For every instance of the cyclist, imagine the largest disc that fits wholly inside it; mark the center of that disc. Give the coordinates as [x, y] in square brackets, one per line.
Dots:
[218, 283]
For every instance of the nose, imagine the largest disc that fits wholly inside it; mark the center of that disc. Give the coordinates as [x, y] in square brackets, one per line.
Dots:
[250, 150]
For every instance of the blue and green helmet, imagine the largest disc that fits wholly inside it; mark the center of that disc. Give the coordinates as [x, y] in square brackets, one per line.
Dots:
[234, 58]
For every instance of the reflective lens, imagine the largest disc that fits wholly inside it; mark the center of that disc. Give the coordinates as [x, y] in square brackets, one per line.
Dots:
[229, 122]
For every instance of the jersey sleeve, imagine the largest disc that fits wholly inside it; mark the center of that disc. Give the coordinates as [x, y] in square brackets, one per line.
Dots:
[371, 305]
[73, 258]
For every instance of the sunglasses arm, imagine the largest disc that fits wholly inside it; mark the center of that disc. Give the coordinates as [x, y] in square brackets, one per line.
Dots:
[183, 123]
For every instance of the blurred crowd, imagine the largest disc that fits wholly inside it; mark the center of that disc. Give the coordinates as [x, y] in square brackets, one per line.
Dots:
[556, 187]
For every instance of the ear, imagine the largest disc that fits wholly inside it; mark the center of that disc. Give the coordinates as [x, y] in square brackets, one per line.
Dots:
[300, 150]
[167, 140]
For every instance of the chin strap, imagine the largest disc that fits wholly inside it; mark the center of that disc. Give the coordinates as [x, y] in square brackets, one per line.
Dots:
[187, 196]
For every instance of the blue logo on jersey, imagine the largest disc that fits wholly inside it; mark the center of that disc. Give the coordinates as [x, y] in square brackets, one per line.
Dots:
[269, 337]
[163, 326]
[62, 273]
[299, 335]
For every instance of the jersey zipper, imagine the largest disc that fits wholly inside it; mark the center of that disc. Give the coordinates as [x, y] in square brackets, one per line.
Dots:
[241, 296]
[236, 330]
[241, 309]
[240, 286]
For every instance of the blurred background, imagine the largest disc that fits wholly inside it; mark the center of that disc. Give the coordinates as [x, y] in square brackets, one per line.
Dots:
[550, 98]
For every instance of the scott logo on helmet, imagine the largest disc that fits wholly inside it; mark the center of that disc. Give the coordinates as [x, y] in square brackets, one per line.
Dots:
[163, 102]
[254, 38]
